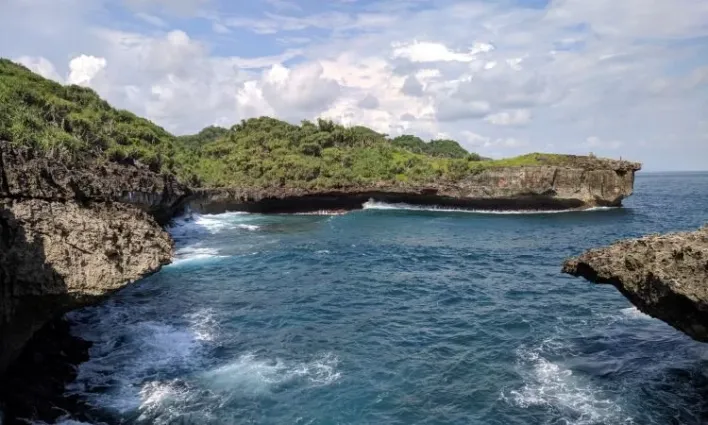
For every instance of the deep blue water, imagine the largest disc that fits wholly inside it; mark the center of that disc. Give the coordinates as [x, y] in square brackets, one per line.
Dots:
[395, 316]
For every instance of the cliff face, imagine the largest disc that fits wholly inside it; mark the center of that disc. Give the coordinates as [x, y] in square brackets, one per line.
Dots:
[665, 276]
[67, 237]
[523, 188]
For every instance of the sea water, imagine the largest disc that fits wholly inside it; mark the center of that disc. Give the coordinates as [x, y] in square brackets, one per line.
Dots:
[396, 315]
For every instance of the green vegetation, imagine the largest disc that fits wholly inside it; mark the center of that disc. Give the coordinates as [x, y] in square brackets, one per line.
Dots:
[443, 148]
[74, 123]
[207, 135]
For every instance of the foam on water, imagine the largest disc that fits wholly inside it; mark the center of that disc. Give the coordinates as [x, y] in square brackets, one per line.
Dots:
[193, 253]
[252, 375]
[122, 357]
[377, 205]
[205, 224]
[634, 313]
[203, 324]
[549, 384]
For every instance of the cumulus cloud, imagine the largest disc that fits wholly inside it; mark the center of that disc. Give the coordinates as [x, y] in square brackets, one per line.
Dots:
[298, 92]
[438, 52]
[607, 76]
[83, 69]
[41, 66]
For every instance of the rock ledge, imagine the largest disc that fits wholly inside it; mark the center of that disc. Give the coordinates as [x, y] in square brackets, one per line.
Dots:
[665, 276]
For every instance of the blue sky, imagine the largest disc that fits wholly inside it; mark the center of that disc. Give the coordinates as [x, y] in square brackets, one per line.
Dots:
[617, 78]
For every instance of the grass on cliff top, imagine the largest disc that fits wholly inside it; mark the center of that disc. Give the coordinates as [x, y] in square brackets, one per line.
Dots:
[74, 123]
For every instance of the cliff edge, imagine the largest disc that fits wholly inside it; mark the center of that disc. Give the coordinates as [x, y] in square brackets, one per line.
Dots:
[71, 234]
[665, 276]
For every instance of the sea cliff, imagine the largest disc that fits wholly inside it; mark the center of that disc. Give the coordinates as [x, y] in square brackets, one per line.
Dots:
[665, 276]
[583, 183]
[70, 234]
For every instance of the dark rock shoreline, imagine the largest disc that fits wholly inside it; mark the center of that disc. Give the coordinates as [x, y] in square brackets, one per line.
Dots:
[34, 386]
[72, 234]
[665, 276]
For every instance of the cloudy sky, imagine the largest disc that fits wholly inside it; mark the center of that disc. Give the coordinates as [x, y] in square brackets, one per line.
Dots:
[614, 77]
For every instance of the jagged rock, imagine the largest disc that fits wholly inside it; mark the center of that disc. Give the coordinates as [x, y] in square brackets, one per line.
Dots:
[68, 237]
[29, 175]
[665, 276]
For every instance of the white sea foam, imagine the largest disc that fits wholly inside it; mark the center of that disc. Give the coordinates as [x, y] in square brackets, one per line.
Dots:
[634, 313]
[551, 385]
[377, 205]
[203, 324]
[201, 224]
[250, 227]
[123, 358]
[251, 375]
[195, 253]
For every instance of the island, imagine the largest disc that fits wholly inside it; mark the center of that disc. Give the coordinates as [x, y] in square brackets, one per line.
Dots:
[86, 191]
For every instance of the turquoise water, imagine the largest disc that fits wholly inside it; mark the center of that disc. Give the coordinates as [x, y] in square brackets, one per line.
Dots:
[396, 316]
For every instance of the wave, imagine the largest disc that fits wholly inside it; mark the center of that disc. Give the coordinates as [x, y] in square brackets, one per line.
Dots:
[194, 253]
[203, 324]
[251, 375]
[206, 224]
[549, 384]
[377, 205]
[634, 313]
[127, 351]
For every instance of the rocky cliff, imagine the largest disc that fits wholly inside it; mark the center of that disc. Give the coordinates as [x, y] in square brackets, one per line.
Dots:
[71, 233]
[665, 276]
[583, 183]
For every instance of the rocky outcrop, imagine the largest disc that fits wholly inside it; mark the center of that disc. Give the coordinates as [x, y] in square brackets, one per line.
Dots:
[665, 276]
[580, 184]
[25, 174]
[71, 234]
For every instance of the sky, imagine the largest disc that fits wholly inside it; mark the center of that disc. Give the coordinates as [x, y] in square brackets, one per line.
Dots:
[618, 78]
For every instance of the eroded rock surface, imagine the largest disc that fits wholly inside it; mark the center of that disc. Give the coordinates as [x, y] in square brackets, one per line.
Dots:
[584, 185]
[665, 276]
[68, 237]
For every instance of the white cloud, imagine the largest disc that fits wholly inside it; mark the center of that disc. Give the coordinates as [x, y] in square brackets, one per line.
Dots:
[292, 93]
[84, 68]
[437, 52]
[41, 66]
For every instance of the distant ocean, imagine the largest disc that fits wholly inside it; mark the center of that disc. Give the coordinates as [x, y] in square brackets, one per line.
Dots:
[397, 315]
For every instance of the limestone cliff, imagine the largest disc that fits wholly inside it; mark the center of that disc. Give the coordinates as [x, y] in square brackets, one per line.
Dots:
[583, 183]
[71, 234]
[665, 276]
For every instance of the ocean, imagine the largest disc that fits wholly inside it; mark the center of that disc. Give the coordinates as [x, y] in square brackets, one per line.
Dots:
[396, 315]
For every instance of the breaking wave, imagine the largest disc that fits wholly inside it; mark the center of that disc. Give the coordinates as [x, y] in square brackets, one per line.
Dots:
[549, 384]
[195, 253]
[377, 205]
[205, 224]
[252, 375]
